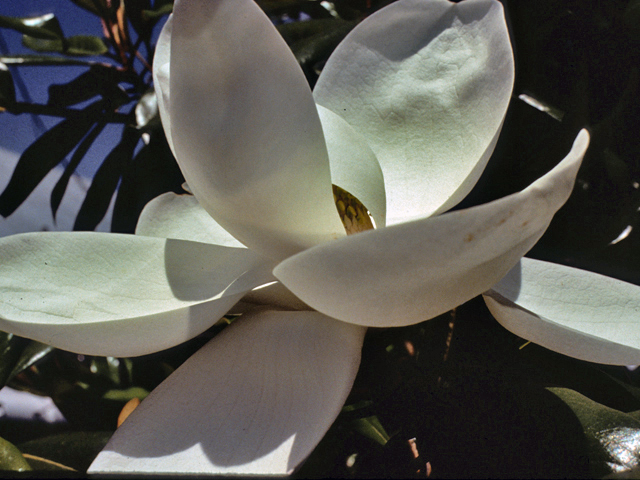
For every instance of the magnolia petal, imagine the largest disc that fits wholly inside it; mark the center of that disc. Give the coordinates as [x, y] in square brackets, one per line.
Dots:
[428, 85]
[255, 400]
[275, 295]
[161, 75]
[571, 311]
[246, 130]
[119, 295]
[411, 272]
[181, 217]
[354, 166]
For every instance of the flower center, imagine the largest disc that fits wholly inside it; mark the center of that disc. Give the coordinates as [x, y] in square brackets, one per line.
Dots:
[354, 215]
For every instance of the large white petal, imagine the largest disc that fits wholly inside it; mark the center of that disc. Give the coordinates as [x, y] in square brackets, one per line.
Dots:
[255, 400]
[414, 271]
[119, 295]
[428, 85]
[571, 311]
[182, 217]
[354, 166]
[161, 75]
[246, 130]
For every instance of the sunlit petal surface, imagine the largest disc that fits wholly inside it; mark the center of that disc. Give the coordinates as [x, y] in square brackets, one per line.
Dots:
[255, 400]
[182, 217]
[571, 311]
[411, 272]
[428, 85]
[245, 128]
[161, 77]
[119, 295]
[354, 166]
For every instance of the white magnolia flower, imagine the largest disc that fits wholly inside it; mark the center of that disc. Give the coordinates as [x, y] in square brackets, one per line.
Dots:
[404, 117]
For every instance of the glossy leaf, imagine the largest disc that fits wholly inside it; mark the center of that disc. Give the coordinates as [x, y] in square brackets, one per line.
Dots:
[613, 436]
[105, 181]
[42, 155]
[73, 449]
[11, 348]
[45, 26]
[371, 428]
[11, 458]
[31, 354]
[81, 45]
[7, 88]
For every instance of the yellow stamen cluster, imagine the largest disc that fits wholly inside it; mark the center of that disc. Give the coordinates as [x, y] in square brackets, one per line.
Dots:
[354, 215]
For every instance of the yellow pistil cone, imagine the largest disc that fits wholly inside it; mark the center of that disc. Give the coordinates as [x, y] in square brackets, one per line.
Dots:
[354, 215]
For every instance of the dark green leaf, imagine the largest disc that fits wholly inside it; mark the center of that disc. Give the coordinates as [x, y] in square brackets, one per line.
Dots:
[42, 61]
[43, 155]
[613, 436]
[73, 449]
[371, 428]
[107, 367]
[7, 88]
[98, 80]
[154, 171]
[11, 458]
[135, 9]
[105, 181]
[85, 45]
[43, 44]
[158, 12]
[31, 354]
[11, 348]
[80, 45]
[126, 394]
[312, 42]
[61, 185]
[44, 26]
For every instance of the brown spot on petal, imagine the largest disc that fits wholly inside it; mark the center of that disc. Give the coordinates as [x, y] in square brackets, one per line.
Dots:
[469, 237]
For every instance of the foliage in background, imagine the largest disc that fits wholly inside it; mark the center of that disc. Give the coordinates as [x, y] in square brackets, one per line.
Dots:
[456, 396]
[114, 88]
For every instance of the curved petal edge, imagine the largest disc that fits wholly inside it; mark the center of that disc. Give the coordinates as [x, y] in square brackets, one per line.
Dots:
[410, 272]
[255, 400]
[571, 311]
[119, 295]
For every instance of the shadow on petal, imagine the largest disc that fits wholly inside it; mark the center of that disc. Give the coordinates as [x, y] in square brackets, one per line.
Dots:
[256, 399]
